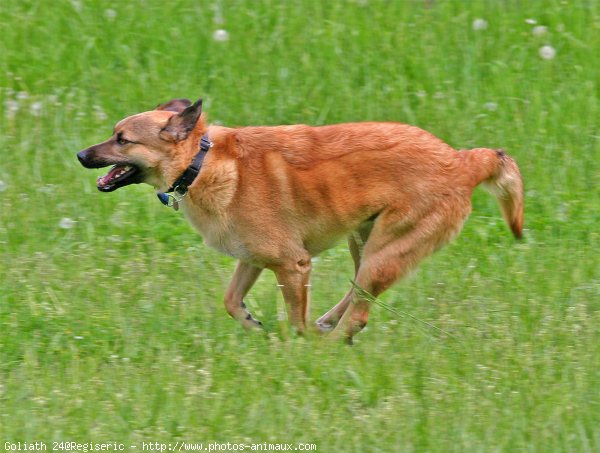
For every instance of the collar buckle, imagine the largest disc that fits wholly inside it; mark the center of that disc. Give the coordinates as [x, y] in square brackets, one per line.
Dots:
[205, 143]
[171, 200]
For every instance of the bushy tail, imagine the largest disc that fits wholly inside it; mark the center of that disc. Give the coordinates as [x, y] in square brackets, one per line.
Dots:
[500, 175]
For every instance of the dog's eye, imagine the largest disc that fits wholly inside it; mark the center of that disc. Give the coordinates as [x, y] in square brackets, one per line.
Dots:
[121, 140]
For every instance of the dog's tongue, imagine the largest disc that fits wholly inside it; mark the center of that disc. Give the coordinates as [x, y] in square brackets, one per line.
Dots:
[112, 174]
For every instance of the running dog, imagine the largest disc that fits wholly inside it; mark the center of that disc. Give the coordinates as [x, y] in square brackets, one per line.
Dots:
[274, 197]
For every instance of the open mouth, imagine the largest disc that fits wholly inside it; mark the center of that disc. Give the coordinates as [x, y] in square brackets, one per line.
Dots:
[119, 176]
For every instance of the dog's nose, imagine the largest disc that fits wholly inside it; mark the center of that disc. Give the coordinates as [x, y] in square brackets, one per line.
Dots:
[82, 156]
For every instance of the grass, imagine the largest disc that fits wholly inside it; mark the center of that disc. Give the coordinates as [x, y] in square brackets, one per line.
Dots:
[112, 329]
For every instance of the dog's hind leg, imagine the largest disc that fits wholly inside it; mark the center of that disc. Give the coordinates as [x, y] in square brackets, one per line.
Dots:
[395, 247]
[243, 278]
[356, 243]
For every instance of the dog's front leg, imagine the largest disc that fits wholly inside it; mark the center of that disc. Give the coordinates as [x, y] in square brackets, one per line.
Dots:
[243, 278]
[293, 278]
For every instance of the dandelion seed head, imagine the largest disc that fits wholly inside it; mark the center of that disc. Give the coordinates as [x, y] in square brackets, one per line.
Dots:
[547, 52]
[480, 24]
[36, 108]
[66, 223]
[110, 14]
[531, 21]
[490, 106]
[221, 35]
[3, 186]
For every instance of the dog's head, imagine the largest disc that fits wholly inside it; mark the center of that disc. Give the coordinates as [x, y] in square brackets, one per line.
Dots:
[143, 145]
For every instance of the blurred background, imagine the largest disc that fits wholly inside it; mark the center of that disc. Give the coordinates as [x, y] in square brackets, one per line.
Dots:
[111, 317]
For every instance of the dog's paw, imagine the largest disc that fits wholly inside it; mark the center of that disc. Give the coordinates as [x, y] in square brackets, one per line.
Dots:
[250, 322]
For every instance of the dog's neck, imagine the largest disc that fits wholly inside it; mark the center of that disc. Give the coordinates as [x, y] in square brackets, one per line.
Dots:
[183, 155]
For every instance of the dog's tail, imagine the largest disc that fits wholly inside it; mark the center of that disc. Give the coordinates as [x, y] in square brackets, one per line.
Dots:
[500, 175]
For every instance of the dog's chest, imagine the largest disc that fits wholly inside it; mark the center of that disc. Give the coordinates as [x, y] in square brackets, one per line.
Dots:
[216, 233]
[206, 207]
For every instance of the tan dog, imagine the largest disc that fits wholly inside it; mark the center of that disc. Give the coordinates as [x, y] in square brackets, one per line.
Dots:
[274, 197]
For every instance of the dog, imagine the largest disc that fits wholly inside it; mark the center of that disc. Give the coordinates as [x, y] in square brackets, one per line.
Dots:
[274, 197]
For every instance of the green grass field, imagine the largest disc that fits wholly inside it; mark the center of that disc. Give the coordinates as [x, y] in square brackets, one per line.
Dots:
[112, 326]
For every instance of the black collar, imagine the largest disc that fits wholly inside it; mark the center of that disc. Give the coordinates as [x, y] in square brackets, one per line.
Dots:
[181, 184]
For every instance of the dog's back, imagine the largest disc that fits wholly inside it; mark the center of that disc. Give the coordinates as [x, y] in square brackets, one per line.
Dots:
[347, 173]
[305, 146]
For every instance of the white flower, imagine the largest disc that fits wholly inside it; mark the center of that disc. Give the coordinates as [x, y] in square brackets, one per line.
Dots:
[110, 14]
[36, 108]
[66, 223]
[547, 52]
[3, 186]
[531, 21]
[491, 106]
[480, 24]
[540, 30]
[221, 35]
[22, 95]
[78, 337]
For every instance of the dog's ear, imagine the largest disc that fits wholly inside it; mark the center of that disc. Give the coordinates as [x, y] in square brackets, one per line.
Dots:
[175, 105]
[179, 126]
